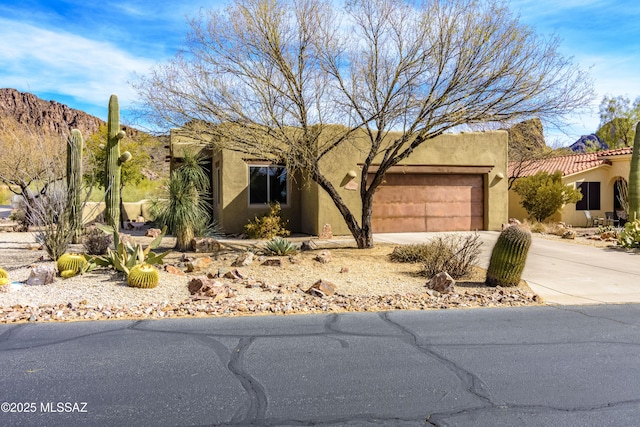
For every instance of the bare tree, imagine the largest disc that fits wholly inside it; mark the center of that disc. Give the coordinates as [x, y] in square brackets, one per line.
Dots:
[292, 80]
[30, 162]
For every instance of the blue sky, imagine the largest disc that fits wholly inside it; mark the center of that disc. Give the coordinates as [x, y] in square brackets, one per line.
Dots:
[78, 52]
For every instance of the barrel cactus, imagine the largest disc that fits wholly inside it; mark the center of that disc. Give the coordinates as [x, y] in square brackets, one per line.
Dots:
[143, 276]
[70, 265]
[508, 257]
[3, 274]
[113, 164]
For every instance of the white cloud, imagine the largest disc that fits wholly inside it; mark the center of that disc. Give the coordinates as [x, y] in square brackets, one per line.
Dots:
[59, 62]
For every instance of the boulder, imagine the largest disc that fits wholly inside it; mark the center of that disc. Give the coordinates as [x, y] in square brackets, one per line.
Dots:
[442, 283]
[41, 275]
[323, 257]
[173, 270]
[153, 232]
[205, 244]
[569, 234]
[309, 245]
[206, 287]
[199, 264]
[326, 233]
[243, 259]
[322, 288]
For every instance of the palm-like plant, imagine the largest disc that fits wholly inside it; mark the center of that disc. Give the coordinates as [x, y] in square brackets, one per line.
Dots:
[186, 213]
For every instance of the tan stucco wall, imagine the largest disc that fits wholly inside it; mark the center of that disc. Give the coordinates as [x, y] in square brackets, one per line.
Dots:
[465, 149]
[310, 207]
[606, 175]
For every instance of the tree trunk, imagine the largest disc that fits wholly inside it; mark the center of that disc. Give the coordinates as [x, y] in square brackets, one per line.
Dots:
[362, 235]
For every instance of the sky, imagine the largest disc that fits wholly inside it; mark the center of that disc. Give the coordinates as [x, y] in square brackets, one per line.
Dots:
[79, 52]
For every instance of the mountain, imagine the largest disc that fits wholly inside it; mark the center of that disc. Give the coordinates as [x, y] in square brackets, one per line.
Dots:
[42, 116]
[47, 116]
[526, 137]
[588, 143]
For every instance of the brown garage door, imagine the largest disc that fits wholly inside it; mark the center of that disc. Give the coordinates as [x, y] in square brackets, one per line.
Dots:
[426, 202]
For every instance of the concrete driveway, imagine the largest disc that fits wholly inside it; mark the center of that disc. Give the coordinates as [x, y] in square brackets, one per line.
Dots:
[563, 273]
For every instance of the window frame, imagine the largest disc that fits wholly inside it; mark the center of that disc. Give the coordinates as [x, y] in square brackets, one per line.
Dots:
[269, 166]
[589, 200]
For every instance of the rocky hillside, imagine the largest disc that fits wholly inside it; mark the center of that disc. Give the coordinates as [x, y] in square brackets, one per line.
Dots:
[527, 136]
[48, 116]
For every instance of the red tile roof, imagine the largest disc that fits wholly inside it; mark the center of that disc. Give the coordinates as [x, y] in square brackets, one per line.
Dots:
[569, 164]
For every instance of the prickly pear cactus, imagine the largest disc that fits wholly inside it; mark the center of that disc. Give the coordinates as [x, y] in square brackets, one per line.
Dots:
[113, 164]
[634, 178]
[74, 183]
[508, 257]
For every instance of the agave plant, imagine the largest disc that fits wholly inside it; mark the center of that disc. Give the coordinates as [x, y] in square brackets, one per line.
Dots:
[126, 256]
[280, 246]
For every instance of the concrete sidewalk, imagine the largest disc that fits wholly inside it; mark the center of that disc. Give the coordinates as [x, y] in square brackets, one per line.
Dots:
[563, 273]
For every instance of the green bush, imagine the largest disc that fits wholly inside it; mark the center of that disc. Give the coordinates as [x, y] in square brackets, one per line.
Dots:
[279, 246]
[630, 236]
[267, 226]
[455, 254]
[543, 194]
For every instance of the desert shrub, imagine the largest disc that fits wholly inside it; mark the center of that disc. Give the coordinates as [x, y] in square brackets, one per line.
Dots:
[50, 214]
[96, 241]
[267, 226]
[543, 194]
[280, 247]
[455, 254]
[535, 226]
[409, 253]
[630, 236]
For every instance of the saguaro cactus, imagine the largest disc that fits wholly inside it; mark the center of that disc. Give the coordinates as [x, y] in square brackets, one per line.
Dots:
[113, 164]
[634, 178]
[508, 257]
[74, 183]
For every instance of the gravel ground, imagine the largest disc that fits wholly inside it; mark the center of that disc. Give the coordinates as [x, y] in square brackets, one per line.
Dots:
[365, 281]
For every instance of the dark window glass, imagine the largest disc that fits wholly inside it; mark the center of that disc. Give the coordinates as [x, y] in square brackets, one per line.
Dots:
[590, 196]
[278, 185]
[267, 184]
[258, 185]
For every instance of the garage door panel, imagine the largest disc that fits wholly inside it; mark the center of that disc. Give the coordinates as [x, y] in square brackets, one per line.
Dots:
[391, 225]
[424, 202]
[397, 210]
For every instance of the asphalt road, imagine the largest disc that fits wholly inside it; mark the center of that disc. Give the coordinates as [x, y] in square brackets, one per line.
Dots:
[540, 366]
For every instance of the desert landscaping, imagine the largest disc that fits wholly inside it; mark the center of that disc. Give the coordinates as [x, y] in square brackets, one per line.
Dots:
[364, 280]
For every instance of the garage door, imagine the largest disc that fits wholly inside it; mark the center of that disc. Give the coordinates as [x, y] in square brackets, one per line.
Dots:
[426, 202]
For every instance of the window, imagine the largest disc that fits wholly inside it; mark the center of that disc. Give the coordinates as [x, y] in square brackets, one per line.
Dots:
[267, 184]
[590, 196]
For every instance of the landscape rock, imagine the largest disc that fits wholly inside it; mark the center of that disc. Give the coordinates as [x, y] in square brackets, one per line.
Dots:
[41, 275]
[326, 233]
[153, 232]
[609, 235]
[205, 244]
[322, 288]
[442, 283]
[243, 259]
[308, 245]
[199, 264]
[205, 286]
[272, 262]
[569, 234]
[174, 270]
[323, 257]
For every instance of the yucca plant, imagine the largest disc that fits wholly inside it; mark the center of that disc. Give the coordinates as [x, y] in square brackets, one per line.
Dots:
[280, 247]
[185, 213]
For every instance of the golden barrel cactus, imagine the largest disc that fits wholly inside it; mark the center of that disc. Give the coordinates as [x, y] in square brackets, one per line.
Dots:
[71, 264]
[143, 276]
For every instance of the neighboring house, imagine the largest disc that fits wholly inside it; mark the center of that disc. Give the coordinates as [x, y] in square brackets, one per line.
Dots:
[454, 182]
[594, 174]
